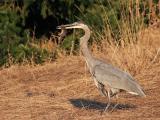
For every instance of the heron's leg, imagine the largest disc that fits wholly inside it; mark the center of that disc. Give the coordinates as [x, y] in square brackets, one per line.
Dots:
[102, 89]
[96, 83]
[109, 100]
[116, 103]
[114, 92]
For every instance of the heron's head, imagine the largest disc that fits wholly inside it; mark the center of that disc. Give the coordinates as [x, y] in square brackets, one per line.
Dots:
[73, 25]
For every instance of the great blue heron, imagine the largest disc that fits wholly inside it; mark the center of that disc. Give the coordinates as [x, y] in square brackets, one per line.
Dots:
[108, 79]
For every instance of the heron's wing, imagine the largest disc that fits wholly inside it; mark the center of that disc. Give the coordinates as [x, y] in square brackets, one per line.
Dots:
[116, 78]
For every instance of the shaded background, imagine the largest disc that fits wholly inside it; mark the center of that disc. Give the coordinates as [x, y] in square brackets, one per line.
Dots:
[27, 22]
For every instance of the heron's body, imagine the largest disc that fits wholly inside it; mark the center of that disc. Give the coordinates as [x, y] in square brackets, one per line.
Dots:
[108, 79]
[108, 75]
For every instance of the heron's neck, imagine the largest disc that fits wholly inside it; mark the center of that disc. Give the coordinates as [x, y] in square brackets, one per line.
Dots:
[84, 47]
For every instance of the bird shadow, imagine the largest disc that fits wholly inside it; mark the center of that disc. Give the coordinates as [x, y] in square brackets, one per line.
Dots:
[90, 104]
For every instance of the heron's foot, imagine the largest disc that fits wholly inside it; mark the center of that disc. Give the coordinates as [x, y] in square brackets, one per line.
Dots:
[114, 107]
[107, 107]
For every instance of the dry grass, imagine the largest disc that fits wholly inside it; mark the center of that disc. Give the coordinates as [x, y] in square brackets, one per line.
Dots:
[64, 89]
[133, 57]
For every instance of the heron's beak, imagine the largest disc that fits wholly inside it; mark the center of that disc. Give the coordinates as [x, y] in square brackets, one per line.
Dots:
[68, 26]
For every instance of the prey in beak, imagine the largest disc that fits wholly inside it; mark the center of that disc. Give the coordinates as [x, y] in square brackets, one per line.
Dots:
[70, 26]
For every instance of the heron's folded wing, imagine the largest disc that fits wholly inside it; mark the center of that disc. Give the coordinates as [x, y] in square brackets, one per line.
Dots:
[116, 78]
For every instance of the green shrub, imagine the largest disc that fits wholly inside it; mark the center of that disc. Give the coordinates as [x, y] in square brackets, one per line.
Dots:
[13, 37]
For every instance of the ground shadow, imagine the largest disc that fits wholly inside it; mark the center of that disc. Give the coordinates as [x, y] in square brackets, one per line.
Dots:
[89, 104]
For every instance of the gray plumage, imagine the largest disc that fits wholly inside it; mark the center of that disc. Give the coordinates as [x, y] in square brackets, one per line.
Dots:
[108, 79]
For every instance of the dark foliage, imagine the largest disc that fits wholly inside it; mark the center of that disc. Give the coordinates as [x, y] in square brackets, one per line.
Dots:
[22, 19]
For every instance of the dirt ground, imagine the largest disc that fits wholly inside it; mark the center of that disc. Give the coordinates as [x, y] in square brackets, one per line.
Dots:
[64, 90]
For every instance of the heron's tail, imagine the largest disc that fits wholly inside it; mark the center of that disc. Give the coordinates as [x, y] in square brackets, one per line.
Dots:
[141, 93]
[137, 91]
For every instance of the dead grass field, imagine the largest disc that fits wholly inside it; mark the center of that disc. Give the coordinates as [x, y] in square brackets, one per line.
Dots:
[64, 90]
